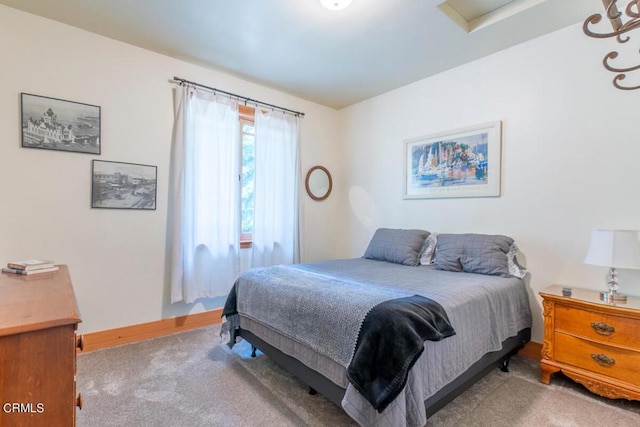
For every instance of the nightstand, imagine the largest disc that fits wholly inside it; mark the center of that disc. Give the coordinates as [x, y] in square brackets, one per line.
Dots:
[594, 342]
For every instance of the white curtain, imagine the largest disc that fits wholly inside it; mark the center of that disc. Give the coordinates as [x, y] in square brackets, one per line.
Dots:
[275, 224]
[204, 201]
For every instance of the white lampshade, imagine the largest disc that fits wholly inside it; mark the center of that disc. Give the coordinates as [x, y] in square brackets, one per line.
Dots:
[335, 4]
[614, 248]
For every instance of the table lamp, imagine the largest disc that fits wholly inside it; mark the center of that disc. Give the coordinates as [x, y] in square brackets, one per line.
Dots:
[614, 249]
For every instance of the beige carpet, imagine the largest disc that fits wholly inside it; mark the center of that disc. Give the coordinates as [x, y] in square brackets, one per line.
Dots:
[517, 398]
[189, 379]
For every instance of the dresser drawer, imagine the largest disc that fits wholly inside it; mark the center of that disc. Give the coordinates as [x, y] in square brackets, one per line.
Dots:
[598, 327]
[603, 359]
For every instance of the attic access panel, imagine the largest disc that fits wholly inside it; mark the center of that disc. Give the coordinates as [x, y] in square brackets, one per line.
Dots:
[473, 15]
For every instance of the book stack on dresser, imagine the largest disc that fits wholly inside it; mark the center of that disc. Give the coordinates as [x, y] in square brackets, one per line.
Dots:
[29, 267]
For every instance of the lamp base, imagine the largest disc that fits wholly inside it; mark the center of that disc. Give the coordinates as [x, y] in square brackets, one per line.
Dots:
[615, 296]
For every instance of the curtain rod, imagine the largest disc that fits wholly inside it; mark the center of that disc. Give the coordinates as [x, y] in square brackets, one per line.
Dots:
[239, 97]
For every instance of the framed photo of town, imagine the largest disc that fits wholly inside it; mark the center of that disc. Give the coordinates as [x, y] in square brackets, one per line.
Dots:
[56, 124]
[459, 163]
[117, 185]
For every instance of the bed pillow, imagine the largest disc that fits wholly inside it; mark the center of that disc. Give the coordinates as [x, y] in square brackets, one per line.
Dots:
[473, 253]
[428, 249]
[515, 269]
[396, 245]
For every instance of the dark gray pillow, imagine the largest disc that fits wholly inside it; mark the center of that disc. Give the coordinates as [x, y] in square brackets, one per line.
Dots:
[473, 253]
[396, 245]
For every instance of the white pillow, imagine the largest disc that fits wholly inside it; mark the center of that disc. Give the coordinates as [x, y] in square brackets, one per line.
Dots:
[429, 249]
[515, 269]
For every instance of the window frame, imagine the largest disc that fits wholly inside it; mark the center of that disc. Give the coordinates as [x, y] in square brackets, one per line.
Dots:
[246, 114]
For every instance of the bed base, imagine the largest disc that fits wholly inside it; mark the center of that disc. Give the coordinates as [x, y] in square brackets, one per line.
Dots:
[319, 383]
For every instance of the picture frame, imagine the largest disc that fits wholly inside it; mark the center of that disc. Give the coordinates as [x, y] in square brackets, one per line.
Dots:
[464, 162]
[119, 185]
[61, 125]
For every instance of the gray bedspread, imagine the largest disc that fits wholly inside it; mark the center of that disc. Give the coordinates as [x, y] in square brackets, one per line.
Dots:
[484, 311]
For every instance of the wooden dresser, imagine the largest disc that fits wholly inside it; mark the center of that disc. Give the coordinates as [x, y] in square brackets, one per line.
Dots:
[38, 320]
[594, 342]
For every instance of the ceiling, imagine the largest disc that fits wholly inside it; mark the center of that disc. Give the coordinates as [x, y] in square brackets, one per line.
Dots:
[334, 58]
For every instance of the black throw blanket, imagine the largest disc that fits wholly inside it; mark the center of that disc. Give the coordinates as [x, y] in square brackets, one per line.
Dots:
[230, 305]
[390, 341]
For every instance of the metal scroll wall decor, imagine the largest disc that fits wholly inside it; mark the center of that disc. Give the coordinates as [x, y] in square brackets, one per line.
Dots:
[631, 18]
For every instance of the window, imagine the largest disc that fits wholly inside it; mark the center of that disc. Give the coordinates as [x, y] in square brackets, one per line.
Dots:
[247, 142]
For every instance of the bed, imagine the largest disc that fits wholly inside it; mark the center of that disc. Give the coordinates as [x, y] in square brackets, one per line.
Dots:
[461, 296]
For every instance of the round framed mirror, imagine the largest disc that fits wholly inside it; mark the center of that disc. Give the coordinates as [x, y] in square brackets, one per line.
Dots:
[318, 183]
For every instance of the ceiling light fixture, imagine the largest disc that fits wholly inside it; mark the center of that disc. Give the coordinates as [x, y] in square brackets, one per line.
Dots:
[335, 4]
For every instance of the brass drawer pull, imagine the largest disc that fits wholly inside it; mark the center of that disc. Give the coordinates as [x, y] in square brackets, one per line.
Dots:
[603, 360]
[602, 328]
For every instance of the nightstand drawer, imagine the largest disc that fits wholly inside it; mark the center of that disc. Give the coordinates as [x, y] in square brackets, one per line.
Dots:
[603, 359]
[598, 327]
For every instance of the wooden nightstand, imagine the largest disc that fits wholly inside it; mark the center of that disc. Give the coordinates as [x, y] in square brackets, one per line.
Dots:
[594, 342]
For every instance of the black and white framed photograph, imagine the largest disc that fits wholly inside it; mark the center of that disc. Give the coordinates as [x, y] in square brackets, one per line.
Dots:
[117, 185]
[56, 124]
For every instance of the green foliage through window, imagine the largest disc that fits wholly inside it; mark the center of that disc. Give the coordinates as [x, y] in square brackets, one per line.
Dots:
[248, 172]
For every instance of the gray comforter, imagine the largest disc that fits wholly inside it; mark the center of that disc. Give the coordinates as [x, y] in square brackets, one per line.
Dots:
[319, 325]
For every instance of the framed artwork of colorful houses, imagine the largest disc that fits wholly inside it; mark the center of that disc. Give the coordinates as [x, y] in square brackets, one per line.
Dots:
[458, 163]
[56, 124]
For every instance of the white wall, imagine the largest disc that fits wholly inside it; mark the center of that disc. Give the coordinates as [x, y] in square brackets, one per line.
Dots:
[570, 156]
[116, 257]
